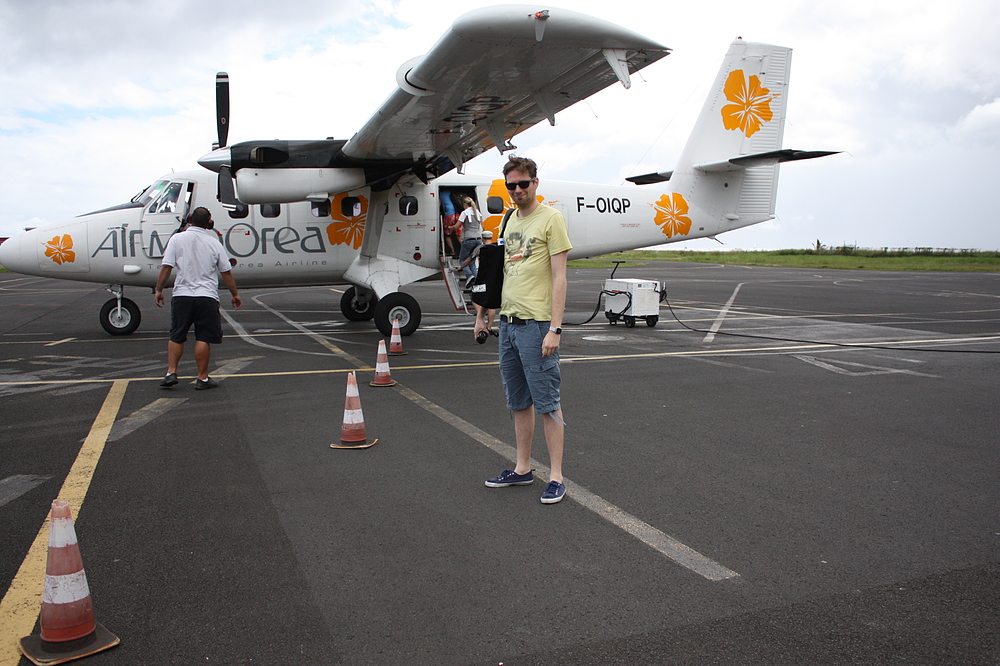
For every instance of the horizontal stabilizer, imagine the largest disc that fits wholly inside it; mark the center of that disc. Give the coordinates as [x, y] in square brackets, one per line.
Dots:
[763, 159]
[736, 163]
[651, 178]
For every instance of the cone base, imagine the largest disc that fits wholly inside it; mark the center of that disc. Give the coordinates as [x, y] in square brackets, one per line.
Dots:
[397, 353]
[366, 444]
[391, 382]
[44, 653]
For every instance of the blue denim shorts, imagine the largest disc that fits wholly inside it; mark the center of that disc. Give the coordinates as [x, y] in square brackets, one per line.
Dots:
[528, 379]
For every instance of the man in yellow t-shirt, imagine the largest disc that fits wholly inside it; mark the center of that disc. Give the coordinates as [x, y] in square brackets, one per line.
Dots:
[534, 297]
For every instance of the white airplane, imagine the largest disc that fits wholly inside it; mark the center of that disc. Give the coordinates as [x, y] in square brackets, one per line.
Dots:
[367, 212]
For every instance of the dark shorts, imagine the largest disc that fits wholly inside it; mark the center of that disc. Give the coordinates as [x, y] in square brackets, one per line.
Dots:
[528, 378]
[200, 311]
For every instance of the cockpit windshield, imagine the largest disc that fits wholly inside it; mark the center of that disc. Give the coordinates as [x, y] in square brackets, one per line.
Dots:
[150, 193]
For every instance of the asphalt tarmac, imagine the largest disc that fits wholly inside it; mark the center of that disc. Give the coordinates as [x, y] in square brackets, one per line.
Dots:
[803, 471]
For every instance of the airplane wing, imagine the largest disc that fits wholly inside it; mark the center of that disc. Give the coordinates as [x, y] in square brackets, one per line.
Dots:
[494, 74]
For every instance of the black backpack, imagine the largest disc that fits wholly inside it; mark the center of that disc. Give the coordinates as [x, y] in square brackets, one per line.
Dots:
[488, 288]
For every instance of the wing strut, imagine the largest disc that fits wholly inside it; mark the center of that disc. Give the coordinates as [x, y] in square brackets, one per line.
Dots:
[619, 63]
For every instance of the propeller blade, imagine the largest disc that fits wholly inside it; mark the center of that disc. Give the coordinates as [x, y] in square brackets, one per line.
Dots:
[222, 106]
[227, 191]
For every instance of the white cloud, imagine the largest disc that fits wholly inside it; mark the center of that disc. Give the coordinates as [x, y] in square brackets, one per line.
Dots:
[982, 124]
[100, 98]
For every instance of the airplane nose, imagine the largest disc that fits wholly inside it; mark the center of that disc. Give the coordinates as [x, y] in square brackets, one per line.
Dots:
[11, 251]
[216, 159]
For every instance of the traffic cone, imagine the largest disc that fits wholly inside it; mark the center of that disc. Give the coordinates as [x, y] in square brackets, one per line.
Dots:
[352, 433]
[396, 341]
[382, 376]
[67, 617]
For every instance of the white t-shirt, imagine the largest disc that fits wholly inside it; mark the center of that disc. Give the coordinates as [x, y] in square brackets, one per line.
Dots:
[198, 257]
[472, 224]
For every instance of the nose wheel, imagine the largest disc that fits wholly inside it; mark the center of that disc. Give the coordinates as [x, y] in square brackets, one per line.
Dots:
[120, 316]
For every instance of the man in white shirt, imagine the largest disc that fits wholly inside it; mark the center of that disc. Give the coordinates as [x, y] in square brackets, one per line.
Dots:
[200, 261]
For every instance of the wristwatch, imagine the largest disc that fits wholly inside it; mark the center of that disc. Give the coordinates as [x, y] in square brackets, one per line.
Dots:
[557, 331]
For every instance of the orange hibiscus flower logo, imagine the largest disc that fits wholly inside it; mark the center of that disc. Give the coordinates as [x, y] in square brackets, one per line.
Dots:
[60, 249]
[671, 214]
[751, 103]
[347, 229]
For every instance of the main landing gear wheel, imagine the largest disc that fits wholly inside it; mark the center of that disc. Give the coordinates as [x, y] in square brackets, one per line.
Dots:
[120, 322]
[397, 306]
[355, 310]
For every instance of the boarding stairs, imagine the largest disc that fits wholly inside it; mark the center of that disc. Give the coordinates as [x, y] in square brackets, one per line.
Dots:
[454, 279]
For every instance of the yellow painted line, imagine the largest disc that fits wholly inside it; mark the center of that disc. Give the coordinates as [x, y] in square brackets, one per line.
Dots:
[572, 359]
[20, 606]
[59, 342]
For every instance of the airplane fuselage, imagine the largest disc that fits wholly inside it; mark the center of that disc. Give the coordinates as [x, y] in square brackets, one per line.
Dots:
[316, 242]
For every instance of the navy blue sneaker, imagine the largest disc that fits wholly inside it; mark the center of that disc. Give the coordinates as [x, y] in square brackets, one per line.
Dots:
[511, 478]
[169, 380]
[554, 492]
[209, 383]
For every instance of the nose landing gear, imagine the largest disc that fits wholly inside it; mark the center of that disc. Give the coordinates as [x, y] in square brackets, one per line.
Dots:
[120, 315]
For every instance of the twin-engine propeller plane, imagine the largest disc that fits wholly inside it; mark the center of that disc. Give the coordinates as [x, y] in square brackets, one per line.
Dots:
[367, 212]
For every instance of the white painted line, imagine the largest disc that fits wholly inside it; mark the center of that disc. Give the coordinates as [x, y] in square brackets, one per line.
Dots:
[142, 416]
[717, 324]
[834, 365]
[14, 486]
[59, 342]
[662, 543]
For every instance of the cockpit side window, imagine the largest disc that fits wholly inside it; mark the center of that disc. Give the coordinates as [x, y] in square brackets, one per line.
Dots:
[167, 202]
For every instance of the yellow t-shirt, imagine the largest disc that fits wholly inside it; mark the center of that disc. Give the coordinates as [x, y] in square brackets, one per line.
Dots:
[527, 270]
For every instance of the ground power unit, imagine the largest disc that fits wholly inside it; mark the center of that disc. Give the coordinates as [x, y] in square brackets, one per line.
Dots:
[630, 299]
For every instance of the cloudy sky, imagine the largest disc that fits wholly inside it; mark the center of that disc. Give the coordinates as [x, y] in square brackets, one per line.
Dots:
[102, 97]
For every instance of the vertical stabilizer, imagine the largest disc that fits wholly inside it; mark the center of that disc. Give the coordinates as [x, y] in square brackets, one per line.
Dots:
[728, 172]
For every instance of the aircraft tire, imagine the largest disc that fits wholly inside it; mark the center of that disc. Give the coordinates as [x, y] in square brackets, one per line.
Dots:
[124, 324]
[397, 305]
[347, 306]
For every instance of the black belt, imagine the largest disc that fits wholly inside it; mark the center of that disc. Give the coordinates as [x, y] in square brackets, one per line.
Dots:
[513, 320]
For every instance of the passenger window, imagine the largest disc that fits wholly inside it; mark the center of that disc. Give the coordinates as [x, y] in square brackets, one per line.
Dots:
[350, 206]
[270, 210]
[494, 205]
[321, 208]
[240, 212]
[408, 205]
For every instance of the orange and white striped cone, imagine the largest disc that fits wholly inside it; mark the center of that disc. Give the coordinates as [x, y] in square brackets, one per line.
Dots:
[382, 375]
[396, 340]
[352, 433]
[69, 630]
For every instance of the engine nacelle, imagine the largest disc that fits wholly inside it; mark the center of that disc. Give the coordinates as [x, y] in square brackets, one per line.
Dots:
[258, 186]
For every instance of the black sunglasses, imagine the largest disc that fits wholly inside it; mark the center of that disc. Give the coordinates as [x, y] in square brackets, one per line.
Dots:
[523, 184]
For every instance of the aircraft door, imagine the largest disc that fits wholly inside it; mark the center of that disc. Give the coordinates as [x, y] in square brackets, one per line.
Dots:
[164, 215]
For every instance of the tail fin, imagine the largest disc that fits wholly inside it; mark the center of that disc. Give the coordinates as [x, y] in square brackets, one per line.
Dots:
[744, 116]
[727, 175]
